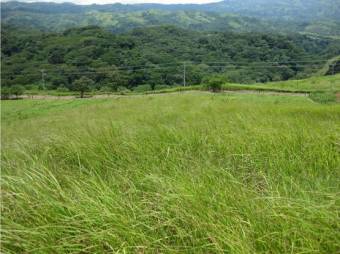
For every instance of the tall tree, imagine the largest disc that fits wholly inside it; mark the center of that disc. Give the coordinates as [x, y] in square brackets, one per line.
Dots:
[83, 85]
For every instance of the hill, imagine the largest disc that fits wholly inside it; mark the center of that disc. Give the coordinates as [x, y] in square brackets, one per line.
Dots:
[313, 10]
[155, 56]
[247, 16]
[119, 22]
[309, 85]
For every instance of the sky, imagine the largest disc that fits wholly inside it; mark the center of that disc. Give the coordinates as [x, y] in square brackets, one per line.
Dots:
[125, 1]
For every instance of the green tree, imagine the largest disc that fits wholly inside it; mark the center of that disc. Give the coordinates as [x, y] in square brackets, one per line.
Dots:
[56, 55]
[5, 93]
[17, 90]
[215, 84]
[115, 78]
[83, 85]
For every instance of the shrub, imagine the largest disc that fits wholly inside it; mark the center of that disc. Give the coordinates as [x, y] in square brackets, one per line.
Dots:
[142, 88]
[32, 87]
[62, 89]
[161, 87]
[106, 89]
[215, 84]
[123, 90]
[5, 93]
[17, 90]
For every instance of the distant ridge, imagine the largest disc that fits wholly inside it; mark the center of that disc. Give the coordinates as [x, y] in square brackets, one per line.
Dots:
[251, 16]
[272, 9]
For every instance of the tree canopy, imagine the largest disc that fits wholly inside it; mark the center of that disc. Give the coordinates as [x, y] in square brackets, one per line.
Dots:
[155, 56]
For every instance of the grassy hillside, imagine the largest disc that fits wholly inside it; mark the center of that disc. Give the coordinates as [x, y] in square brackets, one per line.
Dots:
[190, 173]
[314, 84]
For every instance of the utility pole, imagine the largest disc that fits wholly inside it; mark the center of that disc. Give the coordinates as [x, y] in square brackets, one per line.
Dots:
[184, 74]
[333, 71]
[43, 78]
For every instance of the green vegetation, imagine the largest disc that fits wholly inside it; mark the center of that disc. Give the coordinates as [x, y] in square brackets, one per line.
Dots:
[8, 92]
[331, 67]
[83, 85]
[154, 57]
[184, 173]
[314, 84]
[170, 167]
[323, 97]
[287, 16]
[119, 22]
[215, 84]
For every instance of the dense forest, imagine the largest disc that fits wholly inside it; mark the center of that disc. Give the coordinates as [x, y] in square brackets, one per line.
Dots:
[117, 46]
[155, 56]
[312, 17]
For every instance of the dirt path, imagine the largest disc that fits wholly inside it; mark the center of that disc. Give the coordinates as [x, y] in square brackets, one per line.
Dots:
[103, 96]
[268, 93]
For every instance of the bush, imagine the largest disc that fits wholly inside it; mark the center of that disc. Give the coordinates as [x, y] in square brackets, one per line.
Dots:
[106, 89]
[32, 87]
[63, 89]
[17, 90]
[142, 88]
[215, 84]
[161, 87]
[123, 90]
[5, 93]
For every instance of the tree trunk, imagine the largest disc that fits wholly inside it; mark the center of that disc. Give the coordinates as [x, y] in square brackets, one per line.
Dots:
[81, 94]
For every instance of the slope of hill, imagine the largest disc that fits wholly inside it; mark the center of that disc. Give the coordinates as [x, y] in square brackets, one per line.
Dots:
[309, 85]
[125, 21]
[297, 10]
[156, 55]
[260, 15]
[273, 9]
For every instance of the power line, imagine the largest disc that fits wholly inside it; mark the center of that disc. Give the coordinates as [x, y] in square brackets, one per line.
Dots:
[108, 71]
[196, 62]
[226, 62]
[184, 74]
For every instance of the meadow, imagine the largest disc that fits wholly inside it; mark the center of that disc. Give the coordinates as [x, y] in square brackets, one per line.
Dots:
[186, 172]
[309, 85]
[317, 84]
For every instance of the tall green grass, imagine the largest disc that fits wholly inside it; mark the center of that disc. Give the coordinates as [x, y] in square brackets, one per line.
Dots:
[185, 173]
[313, 84]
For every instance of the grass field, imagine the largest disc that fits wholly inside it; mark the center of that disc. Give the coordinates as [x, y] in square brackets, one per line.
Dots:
[309, 85]
[172, 173]
[313, 84]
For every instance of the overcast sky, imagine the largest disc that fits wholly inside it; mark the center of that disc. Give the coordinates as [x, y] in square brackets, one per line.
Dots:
[124, 1]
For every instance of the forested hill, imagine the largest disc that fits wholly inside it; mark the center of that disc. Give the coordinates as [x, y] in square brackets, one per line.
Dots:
[155, 56]
[119, 22]
[284, 16]
[273, 9]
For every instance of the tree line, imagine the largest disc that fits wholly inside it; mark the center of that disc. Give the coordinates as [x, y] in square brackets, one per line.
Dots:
[154, 57]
